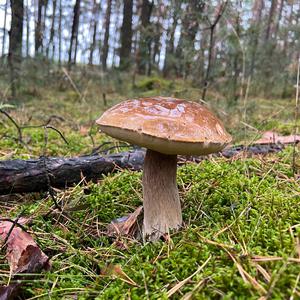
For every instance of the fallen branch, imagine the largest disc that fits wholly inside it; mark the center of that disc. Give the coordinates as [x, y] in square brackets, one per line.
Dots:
[24, 176]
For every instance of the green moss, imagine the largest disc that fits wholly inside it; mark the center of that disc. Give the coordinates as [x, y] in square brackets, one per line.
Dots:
[243, 196]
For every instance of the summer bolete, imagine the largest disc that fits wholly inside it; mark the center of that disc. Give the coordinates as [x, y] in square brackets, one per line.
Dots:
[166, 127]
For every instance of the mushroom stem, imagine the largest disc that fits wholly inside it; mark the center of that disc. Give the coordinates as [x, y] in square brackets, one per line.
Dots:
[162, 210]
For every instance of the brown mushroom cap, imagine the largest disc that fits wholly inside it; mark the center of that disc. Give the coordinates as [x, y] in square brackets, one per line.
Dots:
[167, 125]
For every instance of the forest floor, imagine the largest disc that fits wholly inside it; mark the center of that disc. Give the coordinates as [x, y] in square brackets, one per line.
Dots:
[241, 233]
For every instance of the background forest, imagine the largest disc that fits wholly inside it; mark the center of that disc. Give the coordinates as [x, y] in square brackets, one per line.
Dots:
[237, 47]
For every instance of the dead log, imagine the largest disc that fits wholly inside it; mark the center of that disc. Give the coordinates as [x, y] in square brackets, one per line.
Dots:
[35, 175]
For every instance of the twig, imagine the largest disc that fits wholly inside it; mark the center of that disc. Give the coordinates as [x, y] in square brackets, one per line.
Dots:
[15, 124]
[15, 222]
[211, 27]
[73, 84]
[56, 130]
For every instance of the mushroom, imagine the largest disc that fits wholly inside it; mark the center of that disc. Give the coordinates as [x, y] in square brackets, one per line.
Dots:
[166, 127]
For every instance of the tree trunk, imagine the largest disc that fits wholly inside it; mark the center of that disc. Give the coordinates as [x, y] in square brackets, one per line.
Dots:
[51, 30]
[144, 55]
[96, 8]
[105, 47]
[158, 31]
[169, 64]
[185, 48]
[126, 35]
[270, 44]
[38, 28]
[27, 27]
[255, 32]
[270, 24]
[278, 19]
[15, 42]
[116, 40]
[286, 51]
[4, 29]
[59, 33]
[74, 34]
[213, 25]
[236, 63]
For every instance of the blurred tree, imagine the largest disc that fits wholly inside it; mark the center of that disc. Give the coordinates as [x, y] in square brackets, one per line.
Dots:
[144, 50]
[192, 13]
[42, 4]
[15, 42]
[106, 35]
[95, 12]
[173, 16]
[212, 25]
[74, 34]
[52, 31]
[254, 32]
[4, 29]
[126, 35]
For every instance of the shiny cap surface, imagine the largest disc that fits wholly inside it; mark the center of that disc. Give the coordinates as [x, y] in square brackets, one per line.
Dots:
[167, 125]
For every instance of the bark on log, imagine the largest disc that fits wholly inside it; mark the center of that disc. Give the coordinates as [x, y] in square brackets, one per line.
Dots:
[35, 175]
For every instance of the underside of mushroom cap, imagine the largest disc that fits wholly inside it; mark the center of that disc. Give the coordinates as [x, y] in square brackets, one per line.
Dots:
[167, 125]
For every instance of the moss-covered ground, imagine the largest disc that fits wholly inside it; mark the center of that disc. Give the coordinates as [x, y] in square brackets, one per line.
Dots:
[240, 238]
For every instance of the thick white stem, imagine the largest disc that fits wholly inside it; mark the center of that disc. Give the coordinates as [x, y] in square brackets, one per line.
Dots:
[162, 210]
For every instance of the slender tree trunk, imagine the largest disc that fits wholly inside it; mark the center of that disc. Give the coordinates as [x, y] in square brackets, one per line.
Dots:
[270, 43]
[203, 47]
[126, 35]
[59, 33]
[38, 28]
[286, 50]
[278, 19]
[185, 48]
[207, 73]
[96, 8]
[144, 55]
[169, 63]
[236, 63]
[158, 31]
[15, 42]
[213, 25]
[27, 27]
[270, 23]
[74, 34]
[4, 29]
[254, 38]
[52, 31]
[44, 15]
[105, 47]
[115, 40]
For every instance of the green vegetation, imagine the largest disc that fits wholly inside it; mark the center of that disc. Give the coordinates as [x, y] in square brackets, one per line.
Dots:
[242, 221]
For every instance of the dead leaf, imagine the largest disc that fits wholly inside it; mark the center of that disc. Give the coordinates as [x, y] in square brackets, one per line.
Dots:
[125, 226]
[22, 253]
[116, 271]
[274, 138]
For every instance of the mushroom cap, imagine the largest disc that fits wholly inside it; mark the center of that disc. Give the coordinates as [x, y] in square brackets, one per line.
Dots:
[167, 125]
